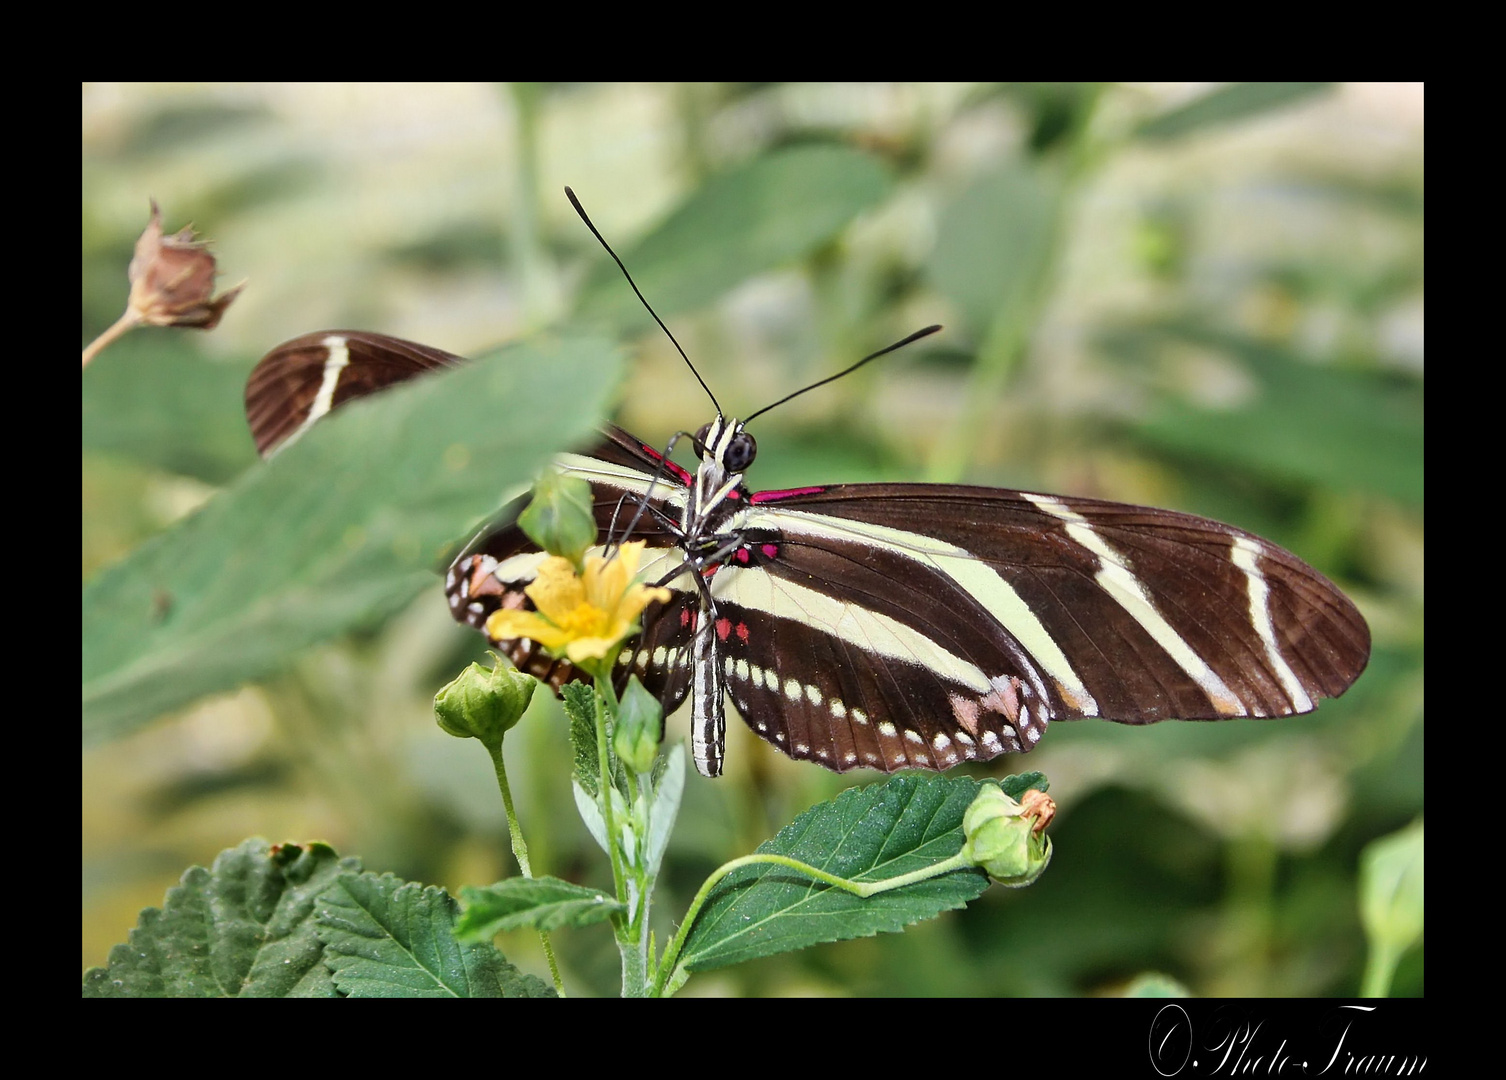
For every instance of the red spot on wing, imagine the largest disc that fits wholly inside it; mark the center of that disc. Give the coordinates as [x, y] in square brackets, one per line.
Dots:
[771, 551]
[742, 631]
[723, 628]
[680, 473]
[789, 493]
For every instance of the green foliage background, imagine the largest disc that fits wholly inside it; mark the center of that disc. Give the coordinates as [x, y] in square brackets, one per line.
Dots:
[1205, 297]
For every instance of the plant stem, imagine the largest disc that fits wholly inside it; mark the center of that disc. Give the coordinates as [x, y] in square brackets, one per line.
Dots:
[630, 941]
[520, 852]
[639, 891]
[530, 260]
[1249, 910]
[608, 811]
[126, 321]
[671, 977]
[1380, 969]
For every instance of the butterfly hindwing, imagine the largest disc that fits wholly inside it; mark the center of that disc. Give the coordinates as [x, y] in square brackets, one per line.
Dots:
[634, 493]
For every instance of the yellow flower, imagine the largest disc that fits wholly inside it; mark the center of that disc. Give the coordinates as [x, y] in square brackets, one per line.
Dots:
[586, 615]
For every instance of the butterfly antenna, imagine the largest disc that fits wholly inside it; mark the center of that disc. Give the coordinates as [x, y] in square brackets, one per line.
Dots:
[602, 240]
[927, 332]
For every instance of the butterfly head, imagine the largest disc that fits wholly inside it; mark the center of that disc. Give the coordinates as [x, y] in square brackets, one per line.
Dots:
[724, 443]
[726, 451]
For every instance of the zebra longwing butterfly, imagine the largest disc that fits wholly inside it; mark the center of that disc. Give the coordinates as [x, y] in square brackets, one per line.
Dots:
[890, 625]
[887, 625]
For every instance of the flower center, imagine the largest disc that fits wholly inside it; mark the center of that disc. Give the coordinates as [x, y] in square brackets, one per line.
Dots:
[583, 620]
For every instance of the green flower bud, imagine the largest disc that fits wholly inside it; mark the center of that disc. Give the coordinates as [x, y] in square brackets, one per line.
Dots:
[483, 703]
[640, 726]
[1006, 838]
[561, 519]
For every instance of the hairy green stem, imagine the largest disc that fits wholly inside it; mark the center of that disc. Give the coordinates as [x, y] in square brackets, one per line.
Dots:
[627, 930]
[604, 767]
[520, 852]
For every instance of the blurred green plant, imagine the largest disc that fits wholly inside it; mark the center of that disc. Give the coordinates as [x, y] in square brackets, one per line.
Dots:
[917, 842]
[1240, 339]
[1391, 892]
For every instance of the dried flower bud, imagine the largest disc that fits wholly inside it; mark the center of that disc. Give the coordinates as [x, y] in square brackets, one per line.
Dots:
[1007, 838]
[172, 279]
[1038, 805]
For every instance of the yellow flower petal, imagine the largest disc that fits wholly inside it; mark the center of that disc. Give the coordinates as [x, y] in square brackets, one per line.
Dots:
[507, 625]
[587, 615]
[592, 648]
[556, 589]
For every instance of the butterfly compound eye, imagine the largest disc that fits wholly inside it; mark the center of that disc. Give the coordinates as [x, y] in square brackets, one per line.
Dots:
[742, 452]
[700, 438]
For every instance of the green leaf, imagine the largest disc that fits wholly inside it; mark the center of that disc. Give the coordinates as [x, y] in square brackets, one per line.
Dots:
[156, 399]
[1237, 101]
[590, 814]
[545, 903]
[994, 244]
[1344, 428]
[1391, 902]
[1016, 785]
[242, 929]
[773, 211]
[338, 531]
[1391, 886]
[579, 700]
[385, 937]
[669, 786]
[868, 833]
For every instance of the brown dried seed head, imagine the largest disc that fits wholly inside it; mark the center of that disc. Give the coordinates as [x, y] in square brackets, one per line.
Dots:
[172, 279]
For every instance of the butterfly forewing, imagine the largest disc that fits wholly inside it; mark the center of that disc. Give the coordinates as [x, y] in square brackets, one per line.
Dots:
[1093, 608]
[302, 380]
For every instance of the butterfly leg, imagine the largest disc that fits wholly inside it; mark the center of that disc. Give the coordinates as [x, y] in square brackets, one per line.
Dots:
[645, 502]
[615, 538]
